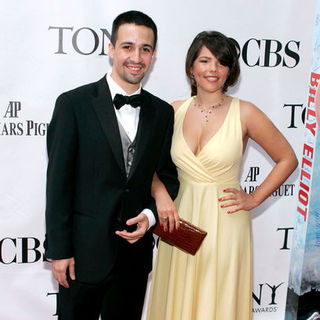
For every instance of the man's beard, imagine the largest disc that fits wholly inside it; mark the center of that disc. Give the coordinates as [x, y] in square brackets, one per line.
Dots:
[131, 78]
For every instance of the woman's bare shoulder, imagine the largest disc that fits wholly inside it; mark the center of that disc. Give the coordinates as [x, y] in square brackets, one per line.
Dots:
[248, 107]
[176, 104]
[250, 111]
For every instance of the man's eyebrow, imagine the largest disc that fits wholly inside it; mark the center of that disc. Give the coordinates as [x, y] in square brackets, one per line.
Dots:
[131, 43]
[126, 42]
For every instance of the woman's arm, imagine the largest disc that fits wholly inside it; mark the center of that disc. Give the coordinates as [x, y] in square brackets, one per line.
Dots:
[257, 126]
[168, 215]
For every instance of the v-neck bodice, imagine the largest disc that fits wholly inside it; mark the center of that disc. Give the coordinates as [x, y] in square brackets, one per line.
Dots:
[220, 158]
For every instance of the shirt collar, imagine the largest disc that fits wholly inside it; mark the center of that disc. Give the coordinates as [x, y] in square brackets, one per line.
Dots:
[115, 88]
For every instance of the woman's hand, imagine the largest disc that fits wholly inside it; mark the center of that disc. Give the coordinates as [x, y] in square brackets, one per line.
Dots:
[239, 199]
[167, 211]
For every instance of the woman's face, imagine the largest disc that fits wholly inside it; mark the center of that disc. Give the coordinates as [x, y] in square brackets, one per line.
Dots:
[210, 75]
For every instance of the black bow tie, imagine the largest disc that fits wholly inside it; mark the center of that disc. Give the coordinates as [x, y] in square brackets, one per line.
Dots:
[120, 100]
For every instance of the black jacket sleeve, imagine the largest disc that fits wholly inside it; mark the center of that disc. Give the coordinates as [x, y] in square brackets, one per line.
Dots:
[62, 149]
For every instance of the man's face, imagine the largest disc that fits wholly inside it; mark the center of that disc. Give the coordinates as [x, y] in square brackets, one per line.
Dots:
[132, 55]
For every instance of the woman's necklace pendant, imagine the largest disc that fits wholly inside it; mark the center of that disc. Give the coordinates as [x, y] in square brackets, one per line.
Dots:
[207, 111]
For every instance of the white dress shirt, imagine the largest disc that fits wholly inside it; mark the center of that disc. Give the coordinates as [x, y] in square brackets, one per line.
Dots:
[129, 119]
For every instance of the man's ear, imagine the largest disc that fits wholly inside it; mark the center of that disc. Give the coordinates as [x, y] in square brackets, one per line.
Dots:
[111, 50]
[153, 55]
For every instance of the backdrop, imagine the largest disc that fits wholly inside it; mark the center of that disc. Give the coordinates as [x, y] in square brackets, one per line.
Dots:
[52, 46]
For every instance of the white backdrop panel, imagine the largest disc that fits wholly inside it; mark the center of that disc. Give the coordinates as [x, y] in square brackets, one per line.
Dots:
[44, 52]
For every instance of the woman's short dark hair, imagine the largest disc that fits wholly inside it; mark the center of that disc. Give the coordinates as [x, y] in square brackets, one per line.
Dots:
[136, 17]
[222, 47]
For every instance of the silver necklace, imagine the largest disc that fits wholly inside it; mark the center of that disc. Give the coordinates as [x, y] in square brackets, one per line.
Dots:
[207, 111]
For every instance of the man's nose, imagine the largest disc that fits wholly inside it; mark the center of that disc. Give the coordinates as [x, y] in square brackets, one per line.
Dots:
[136, 55]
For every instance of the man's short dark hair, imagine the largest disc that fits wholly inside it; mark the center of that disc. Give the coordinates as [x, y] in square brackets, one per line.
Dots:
[136, 17]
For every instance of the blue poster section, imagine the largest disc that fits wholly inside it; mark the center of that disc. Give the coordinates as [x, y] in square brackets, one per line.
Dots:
[303, 298]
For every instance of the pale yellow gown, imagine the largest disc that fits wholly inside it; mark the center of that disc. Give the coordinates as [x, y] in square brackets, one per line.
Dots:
[215, 284]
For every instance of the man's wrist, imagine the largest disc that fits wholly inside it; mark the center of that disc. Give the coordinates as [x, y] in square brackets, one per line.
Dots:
[150, 216]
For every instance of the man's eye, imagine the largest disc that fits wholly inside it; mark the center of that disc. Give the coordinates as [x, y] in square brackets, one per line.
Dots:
[203, 61]
[146, 49]
[127, 47]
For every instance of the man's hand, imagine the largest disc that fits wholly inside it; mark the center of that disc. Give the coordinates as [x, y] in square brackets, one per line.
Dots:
[59, 270]
[142, 223]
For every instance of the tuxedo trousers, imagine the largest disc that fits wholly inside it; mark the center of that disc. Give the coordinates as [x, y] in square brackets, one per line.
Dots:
[120, 296]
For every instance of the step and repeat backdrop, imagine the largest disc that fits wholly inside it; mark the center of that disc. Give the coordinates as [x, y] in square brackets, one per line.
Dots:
[48, 47]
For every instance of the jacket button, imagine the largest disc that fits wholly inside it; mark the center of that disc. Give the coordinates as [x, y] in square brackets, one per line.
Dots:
[127, 190]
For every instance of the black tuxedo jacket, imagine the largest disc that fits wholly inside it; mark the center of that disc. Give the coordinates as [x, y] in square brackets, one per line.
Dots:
[89, 196]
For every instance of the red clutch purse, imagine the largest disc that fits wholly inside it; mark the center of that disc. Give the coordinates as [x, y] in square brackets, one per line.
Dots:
[188, 238]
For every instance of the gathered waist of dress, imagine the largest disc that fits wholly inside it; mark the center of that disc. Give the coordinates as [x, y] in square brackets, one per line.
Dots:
[232, 183]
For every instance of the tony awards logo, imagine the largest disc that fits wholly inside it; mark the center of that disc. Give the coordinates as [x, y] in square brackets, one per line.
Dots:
[266, 300]
[84, 41]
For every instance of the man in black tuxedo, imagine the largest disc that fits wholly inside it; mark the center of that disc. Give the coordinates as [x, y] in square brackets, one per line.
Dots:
[103, 151]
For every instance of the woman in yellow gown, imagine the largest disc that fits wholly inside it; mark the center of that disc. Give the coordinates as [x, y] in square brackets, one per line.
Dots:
[210, 135]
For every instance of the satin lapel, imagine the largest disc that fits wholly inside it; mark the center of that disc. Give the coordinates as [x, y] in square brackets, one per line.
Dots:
[104, 108]
[146, 125]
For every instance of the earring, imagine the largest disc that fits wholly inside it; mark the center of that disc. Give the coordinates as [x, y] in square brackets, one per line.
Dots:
[193, 80]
